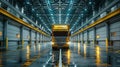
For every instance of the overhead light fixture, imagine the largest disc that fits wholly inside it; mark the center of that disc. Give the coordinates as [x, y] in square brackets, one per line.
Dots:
[90, 2]
[28, 2]
[85, 9]
[98, 36]
[17, 35]
[60, 27]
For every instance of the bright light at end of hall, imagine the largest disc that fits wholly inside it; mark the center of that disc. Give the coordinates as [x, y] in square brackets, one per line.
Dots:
[52, 43]
[68, 42]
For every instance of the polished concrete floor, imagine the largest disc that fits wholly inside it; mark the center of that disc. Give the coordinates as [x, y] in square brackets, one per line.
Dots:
[78, 55]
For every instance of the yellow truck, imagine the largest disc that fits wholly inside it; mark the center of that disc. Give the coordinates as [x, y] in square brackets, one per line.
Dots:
[60, 36]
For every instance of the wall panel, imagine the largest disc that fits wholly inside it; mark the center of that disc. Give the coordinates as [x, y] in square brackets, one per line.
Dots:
[26, 34]
[91, 35]
[13, 32]
[33, 35]
[101, 32]
[85, 36]
[115, 35]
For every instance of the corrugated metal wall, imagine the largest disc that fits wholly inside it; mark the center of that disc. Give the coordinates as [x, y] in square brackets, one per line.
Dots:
[26, 34]
[101, 36]
[12, 33]
[37, 36]
[26, 37]
[91, 35]
[85, 36]
[101, 32]
[33, 35]
[115, 35]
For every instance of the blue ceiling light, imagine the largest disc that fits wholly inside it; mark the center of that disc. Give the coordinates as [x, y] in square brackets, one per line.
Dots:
[90, 2]
[51, 14]
[85, 9]
[37, 14]
[33, 9]
[68, 11]
[50, 10]
[27, 2]
[77, 21]
[68, 14]
[82, 14]
[45, 24]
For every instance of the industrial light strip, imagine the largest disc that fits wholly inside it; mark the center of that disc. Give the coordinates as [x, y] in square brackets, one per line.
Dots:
[18, 12]
[50, 11]
[68, 11]
[4, 12]
[105, 9]
[110, 15]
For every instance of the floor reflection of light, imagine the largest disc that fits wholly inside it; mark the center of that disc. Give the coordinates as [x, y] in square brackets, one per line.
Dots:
[39, 47]
[74, 46]
[85, 46]
[106, 45]
[28, 52]
[34, 46]
[98, 60]
[78, 47]
[68, 56]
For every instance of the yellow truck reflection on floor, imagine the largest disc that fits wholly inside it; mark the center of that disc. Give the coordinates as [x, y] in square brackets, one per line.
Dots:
[60, 36]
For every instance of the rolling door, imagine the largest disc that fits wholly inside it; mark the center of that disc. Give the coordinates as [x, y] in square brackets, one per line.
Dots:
[91, 35]
[1, 34]
[85, 36]
[32, 46]
[33, 37]
[101, 42]
[91, 43]
[101, 36]
[115, 35]
[37, 36]
[26, 37]
[13, 36]
[40, 37]
[81, 44]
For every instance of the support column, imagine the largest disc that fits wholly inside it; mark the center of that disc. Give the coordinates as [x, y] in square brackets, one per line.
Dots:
[5, 37]
[108, 36]
[82, 38]
[21, 37]
[39, 38]
[36, 38]
[30, 39]
[94, 41]
[108, 49]
[87, 37]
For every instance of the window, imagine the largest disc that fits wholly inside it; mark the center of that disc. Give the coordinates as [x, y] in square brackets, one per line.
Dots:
[113, 34]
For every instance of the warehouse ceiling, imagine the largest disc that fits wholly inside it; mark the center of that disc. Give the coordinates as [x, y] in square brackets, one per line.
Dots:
[49, 12]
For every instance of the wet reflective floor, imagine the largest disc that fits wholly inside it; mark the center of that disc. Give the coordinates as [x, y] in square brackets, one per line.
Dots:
[78, 55]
